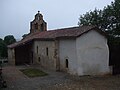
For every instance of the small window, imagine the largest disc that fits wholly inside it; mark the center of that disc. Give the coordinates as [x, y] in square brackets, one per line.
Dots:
[47, 51]
[39, 59]
[42, 27]
[38, 18]
[37, 49]
[66, 63]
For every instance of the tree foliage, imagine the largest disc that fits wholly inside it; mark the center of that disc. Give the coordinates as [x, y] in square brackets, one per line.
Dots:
[9, 39]
[91, 18]
[3, 49]
[107, 19]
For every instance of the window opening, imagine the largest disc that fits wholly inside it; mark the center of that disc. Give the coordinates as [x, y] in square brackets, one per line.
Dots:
[42, 27]
[47, 51]
[37, 49]
[39, 59]
[66, 63]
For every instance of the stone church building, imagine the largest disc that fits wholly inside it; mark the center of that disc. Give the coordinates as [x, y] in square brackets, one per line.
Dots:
[76, 50]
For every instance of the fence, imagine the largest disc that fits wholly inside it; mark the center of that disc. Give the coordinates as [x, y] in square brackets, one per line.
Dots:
[3, 60]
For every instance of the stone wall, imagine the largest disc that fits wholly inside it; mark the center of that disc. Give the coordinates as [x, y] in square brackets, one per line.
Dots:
[44, 54]
[11, 56]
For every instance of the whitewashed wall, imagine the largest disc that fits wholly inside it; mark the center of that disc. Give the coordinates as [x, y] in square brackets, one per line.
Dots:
[92, 54]
[87, 55]
[67, 50]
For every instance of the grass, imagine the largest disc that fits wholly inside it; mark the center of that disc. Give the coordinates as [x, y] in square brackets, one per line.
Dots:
[32, 72]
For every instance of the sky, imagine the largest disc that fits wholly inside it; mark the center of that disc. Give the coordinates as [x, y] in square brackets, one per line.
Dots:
[16, 15]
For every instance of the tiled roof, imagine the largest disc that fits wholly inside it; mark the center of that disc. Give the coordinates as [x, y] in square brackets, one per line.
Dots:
[54, 34]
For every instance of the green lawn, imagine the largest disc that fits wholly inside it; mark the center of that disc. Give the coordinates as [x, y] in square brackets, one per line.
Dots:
[32, 72]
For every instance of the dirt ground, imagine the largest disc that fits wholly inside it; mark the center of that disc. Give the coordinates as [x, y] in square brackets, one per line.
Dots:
[16, 80]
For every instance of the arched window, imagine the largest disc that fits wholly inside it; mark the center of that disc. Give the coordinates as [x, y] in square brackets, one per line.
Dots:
[42, 27]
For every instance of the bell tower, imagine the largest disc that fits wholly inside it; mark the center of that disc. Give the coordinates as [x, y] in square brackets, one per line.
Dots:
[38, 24]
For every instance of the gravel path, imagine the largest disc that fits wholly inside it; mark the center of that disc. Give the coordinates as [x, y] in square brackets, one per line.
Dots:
[16, 80]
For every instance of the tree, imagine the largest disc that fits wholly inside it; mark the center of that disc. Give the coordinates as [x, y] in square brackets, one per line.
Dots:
[91, 18]
[3, 49]
[9, 39]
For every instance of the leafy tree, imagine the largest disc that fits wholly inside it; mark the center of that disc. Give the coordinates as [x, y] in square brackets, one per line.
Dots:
[3, 49]
[91, 18]
[112, 17]
[9, 39]
[1, 46]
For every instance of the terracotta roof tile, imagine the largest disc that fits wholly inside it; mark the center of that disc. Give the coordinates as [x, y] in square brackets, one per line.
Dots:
[53, 34]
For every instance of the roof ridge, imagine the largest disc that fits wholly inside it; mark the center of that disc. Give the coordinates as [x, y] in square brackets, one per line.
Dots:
[64, 28]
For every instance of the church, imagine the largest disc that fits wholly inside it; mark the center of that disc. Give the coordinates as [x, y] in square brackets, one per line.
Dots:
[76, 50]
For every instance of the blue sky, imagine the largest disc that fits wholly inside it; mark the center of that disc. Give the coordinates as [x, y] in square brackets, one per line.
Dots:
[15, 15]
